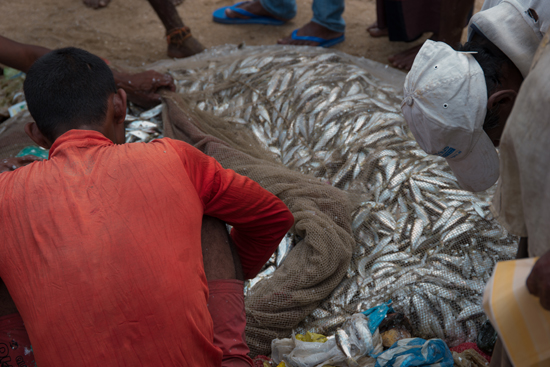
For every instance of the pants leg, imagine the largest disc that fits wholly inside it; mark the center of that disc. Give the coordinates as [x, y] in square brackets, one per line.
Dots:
[226, 306]
[285, 9]
[328, 13]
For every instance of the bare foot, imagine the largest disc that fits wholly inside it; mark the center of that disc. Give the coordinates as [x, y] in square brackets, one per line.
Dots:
[178, 47]
[405, 59]
[311, 29]
[96, 4]
[376, 32]
[253, 7]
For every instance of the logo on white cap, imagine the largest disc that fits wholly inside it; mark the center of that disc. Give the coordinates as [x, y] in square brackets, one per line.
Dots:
[448, 152]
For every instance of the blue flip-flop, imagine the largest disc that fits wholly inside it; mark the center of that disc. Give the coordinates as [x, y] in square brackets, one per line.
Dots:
[322, 42]
[220, 17]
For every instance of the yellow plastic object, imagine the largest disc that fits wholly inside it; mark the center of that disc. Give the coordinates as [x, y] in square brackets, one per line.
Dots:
[311, 337]
[517, 315]
[282, 364]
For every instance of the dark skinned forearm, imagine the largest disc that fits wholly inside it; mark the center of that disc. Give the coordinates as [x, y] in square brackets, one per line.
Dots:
[19, 55]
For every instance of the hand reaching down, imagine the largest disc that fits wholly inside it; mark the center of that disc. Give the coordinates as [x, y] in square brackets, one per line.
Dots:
[142, 88]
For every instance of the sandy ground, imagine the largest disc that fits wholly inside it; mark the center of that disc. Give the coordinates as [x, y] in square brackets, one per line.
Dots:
[129, 33]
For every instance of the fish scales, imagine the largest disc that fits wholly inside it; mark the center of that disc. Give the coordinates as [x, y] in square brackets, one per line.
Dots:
[301, 92]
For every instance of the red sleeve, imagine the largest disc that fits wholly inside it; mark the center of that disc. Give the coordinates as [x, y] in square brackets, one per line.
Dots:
[260, 220]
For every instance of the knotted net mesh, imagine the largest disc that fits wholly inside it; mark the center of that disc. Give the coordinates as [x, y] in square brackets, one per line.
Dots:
[376, 217]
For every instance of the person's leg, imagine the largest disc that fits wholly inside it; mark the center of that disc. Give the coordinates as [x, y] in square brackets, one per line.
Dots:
[223, 271]
[180, 41]
[453, 19]
[96, 4]
[375, 30]
[327, 23]
[379, 28]
[220, 258]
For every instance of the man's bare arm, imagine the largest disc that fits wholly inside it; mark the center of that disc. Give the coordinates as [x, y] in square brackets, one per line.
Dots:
[19, 55]
[142, 88]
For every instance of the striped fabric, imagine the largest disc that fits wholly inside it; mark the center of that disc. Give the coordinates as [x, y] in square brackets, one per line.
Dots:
[522, 324]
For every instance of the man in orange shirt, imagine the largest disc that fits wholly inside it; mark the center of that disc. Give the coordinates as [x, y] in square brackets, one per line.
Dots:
[101, 243]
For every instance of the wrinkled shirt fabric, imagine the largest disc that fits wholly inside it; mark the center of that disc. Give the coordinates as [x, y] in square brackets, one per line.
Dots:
[522, 200]
[101, 249]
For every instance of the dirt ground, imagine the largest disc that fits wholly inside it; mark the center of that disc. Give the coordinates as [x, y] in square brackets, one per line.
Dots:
[129, 33]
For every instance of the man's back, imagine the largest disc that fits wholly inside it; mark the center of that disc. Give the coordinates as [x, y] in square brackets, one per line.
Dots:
[101, 250]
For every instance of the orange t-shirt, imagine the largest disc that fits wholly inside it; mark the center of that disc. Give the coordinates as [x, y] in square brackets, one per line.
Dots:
[100, 249]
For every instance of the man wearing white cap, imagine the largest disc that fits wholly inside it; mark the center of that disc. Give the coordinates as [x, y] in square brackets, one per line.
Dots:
[457, 102]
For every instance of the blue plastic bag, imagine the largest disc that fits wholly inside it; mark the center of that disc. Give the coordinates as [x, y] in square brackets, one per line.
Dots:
[416, 352]
[377, 314]
[34, 150]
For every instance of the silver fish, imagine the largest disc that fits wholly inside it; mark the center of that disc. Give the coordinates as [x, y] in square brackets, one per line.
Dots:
[328, 117]
[149, 114]
[343, 342]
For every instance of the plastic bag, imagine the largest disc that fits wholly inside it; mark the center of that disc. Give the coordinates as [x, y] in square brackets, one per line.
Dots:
[416, 352]
[312, 337]
[377, 314]
[34, 150]
[310, 354]
[310, 351]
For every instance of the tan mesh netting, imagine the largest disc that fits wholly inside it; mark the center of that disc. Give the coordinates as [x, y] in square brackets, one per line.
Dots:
[420, 240]
[322, 218]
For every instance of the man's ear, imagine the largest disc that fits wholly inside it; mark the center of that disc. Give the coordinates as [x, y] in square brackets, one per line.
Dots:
[34, 133]
[506, 96]
[119, 106]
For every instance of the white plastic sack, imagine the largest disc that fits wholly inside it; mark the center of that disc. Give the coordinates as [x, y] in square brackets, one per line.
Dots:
[297, 353]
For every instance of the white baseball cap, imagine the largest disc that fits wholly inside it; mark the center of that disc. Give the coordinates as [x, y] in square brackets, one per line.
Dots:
[445, 103]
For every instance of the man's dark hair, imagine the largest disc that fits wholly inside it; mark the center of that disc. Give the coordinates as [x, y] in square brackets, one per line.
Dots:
[491, 59]
[66, 88]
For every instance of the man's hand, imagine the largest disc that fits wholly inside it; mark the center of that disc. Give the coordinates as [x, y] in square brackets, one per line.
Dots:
[142, 88]
[11, 164]
[538, 282]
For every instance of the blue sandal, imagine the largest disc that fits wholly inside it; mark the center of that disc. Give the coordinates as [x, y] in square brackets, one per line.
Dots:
[322, 42]
[220, 17]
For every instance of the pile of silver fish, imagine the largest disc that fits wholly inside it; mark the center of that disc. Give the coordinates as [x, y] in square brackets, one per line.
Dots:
[421, 241]
[143, 126]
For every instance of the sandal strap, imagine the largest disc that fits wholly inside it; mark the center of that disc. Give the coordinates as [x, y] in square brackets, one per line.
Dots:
[178, 35]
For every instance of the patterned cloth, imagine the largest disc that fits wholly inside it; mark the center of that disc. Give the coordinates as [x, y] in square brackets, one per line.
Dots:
[465, 346]
[416, 352]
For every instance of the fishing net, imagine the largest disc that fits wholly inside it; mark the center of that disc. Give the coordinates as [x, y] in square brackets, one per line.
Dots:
[324, 132]
[376, 218]
[322, 221]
